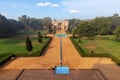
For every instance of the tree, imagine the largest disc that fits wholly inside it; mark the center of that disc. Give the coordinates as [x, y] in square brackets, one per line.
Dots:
[73, 23]
[40, 23]
[16, 25]
[25, 21]
[28, 44]
[47, 22]
[69, 30]
[39, 37]
[117, 33]
[5, 26]
[115, 19]
[103, 25]
[116, 15]
[34, 23]
[85, 29]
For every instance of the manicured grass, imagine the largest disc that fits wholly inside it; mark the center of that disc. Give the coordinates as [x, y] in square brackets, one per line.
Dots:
[103, 45]
[16, 46]
[94, 45]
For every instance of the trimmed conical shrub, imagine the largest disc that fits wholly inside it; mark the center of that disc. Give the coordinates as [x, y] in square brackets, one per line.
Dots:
[39, 37]
[29, 46]
[73, 35]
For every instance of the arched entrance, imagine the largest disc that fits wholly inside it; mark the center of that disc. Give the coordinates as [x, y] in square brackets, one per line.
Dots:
[60, 24]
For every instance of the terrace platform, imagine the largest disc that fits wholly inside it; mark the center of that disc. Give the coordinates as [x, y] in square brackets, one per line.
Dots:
[85, 74]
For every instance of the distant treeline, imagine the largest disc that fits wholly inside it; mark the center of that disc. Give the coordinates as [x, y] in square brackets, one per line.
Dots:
[101, 25]
[10, 26]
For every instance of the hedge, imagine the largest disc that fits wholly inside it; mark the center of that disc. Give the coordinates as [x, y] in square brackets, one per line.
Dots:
[6, 59]
[44, 47]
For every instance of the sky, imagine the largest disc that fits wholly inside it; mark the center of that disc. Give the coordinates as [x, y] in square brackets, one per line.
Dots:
[59, 9]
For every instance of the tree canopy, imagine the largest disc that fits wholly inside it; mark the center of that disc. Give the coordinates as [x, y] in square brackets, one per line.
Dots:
[34, 23]
[73, 23]
[103, 25]
[117, 33]
[23, 23]
[5, 26]
[85, 29]
[100, 25]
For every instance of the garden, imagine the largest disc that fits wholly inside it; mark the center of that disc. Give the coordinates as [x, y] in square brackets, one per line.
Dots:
[16, 45]
[103, 46]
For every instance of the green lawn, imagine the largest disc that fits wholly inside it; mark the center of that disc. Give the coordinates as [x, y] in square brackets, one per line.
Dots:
[101, 45]
[16, 45]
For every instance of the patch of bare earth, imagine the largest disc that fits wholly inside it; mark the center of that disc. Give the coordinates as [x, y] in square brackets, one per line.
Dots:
[90, 45]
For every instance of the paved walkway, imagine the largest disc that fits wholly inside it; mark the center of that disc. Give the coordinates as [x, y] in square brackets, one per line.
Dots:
[71, 58]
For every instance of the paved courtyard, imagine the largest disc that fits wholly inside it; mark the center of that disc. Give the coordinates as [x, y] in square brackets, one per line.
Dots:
[49, 75]
[51, 59]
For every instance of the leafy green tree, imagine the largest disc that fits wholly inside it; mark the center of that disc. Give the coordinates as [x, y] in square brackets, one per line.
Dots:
[116, 15]
[117, 33]
[29, 46]
[69, 30]
[40, 23]
[39, 37]
[34, 23]
[47, 22]
[85, 29]
[5, 26]
[25, 21]
[115, 19]
[16, 25]
[102, 25]
[72, 24]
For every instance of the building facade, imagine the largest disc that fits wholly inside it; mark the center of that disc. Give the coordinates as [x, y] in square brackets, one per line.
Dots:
[60, 24]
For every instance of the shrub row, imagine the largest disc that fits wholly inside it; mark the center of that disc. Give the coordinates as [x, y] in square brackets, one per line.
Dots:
[44, 47]
[7, 58]
[83, 54]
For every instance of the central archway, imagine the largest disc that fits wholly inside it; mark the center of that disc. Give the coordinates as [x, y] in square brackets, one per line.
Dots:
[60, 24]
